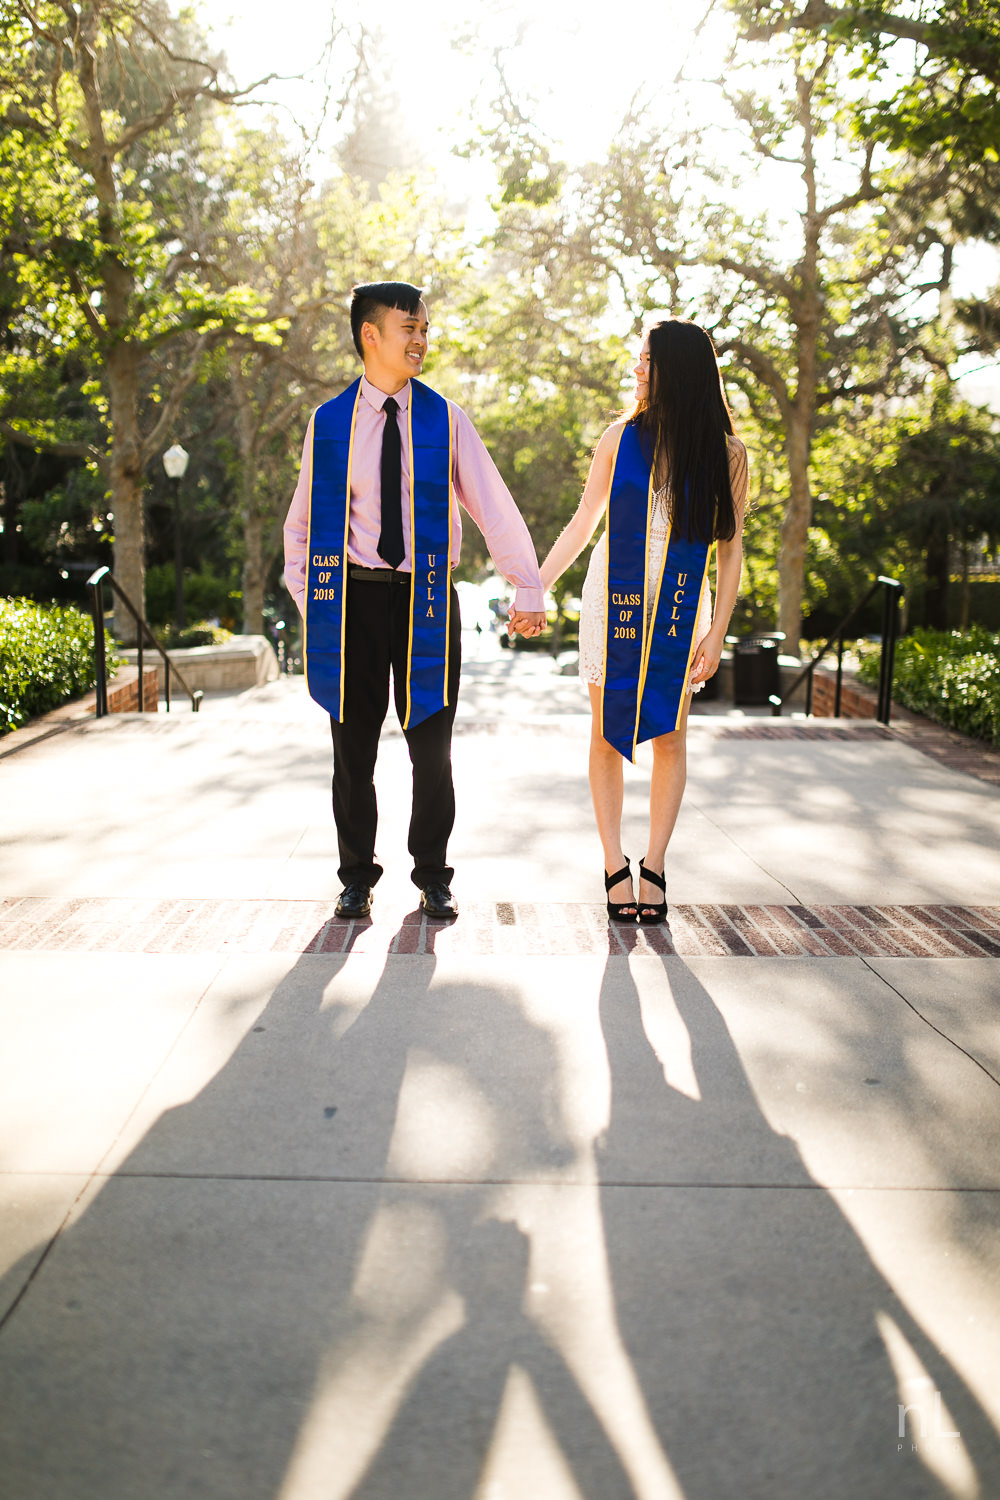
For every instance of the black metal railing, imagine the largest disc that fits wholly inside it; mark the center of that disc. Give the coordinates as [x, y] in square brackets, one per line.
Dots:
[96, 583]
[892, 596]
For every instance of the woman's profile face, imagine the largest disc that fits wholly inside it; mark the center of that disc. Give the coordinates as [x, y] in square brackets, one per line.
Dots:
[641, 372]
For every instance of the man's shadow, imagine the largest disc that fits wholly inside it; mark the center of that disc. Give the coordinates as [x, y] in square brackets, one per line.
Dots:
[340, 1266]
[169, 1342]
[294, 1225]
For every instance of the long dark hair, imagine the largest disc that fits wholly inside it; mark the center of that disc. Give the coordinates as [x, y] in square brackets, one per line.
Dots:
[684, 423]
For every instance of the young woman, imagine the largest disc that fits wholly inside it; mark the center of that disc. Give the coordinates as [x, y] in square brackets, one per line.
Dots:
[673, 479]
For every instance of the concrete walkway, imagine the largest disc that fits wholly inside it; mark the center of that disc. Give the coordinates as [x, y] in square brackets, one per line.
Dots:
[520, 1209]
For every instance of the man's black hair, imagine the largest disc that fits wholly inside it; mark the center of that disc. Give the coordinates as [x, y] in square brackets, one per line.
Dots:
[371, 301]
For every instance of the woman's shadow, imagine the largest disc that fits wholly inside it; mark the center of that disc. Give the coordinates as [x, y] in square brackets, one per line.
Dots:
[764, 1337]
[379, 1252]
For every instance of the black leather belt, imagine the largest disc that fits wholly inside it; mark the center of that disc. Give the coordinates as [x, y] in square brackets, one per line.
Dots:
[377, 575]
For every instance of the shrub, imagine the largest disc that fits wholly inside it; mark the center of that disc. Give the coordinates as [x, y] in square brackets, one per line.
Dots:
[206, 596]
[46, 658]
[203, 633]
[951, 676]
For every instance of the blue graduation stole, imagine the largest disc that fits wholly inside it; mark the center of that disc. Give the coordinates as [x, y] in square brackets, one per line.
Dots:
[429, 418]
[646, 669]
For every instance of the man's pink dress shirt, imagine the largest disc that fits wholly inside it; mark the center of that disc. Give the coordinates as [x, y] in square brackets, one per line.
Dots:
[477, 485]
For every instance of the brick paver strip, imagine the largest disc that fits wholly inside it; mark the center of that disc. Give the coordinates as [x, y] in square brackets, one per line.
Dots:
[988, 945]
[749, 931]
[133, 925]
[967, 916]
[949, 748]
[776, 925]
[762, 729]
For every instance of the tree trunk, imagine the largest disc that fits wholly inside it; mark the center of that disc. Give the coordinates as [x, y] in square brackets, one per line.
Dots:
[795, 530]
[126, 487]
[121, 357]
[248, 434]
[253, 564]
[938, 564]
[10, 532]
[807, 305]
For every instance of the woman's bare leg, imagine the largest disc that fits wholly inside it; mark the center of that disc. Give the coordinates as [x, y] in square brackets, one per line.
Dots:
[666, 790]
[607, 791]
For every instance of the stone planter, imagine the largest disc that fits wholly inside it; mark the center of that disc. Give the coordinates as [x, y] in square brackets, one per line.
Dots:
[244, 662]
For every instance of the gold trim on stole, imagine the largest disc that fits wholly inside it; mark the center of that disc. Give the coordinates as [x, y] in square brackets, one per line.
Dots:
[447, 590]
[309, 515]
[647, 629]
[413, 555]
[413, 524]
[694, 640]
[347, 532]
[347, 537]
[607, 579]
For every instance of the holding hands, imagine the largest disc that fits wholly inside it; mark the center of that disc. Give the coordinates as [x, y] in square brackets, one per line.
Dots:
[525, 622]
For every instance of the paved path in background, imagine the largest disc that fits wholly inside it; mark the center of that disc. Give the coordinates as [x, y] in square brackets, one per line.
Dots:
[524, 1207]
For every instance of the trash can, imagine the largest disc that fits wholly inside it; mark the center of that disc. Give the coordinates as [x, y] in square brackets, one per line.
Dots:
[756, 673]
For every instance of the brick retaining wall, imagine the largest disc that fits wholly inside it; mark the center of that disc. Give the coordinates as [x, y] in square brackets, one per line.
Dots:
[856, 701]
[123, 691]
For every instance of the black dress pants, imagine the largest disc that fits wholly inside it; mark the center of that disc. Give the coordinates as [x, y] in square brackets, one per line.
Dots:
[378, 622]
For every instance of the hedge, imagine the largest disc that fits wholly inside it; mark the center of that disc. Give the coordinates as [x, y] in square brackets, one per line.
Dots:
[952, 676]
[206, 596]
[202, 633]
[46, 658]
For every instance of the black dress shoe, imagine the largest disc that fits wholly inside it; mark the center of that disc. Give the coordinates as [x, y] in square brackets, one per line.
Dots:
[355, 901]
[437, 901]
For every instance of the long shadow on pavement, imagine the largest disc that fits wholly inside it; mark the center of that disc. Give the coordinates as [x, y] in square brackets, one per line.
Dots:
[379, 1255]
[758, 1326]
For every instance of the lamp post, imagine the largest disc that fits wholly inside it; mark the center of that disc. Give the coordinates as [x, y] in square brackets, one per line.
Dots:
[175, 461]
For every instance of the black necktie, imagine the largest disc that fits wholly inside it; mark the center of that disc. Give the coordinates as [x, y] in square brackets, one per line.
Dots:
[390, 542]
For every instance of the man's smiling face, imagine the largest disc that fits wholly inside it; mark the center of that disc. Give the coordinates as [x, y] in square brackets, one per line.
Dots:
[395, 352]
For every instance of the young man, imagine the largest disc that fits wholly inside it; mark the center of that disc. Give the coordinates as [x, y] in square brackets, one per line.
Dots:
[371, 536]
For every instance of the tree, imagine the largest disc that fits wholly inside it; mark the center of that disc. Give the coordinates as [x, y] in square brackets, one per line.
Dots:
[258, 227]
[533, 359]
[106, 95]
[41, 379]
[948, 102]
[937, 101]
[301, 247]
[924, 486]
[541, 384]
[99, 87]
[378, 146]
[805, 325]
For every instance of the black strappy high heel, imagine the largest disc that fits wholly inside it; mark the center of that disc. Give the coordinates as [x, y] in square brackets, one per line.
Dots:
[657, 910]
[619, 911]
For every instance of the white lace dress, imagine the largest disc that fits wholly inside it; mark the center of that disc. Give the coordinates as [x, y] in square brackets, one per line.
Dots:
[593, 607]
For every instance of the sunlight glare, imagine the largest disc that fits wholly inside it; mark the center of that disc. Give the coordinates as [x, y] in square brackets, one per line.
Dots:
[927, 1425]
[664, 1027]
[444, 1127]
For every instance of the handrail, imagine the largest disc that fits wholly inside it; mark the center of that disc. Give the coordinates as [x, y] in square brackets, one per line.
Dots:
[892, 595]
[94, 583]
